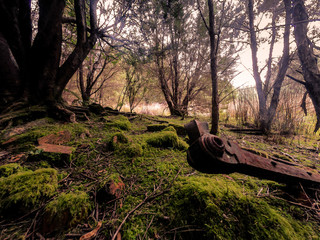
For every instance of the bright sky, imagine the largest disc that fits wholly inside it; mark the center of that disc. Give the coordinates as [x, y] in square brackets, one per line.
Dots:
[245, 78]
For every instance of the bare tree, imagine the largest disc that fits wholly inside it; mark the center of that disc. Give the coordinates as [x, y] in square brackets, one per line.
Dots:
[99, 68]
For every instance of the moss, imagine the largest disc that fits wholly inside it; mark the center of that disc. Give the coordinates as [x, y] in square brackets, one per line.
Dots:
[116, 139]
[9, 169]
[166, 139]
[222, 209]
[131, 150]
[27, 189]
[156, 127]
[119, 122]
[66, 210]
[169, 129]
[179, 129]
[53, 159]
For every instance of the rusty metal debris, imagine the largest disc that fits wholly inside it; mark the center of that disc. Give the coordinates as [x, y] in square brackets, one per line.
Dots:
[211, 154]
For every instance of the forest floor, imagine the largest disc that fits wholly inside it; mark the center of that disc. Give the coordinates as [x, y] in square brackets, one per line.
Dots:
[125, 176]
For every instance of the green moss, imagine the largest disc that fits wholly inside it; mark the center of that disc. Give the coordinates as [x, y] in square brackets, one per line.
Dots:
[169, 129]
[118, 122]
[116, 139]
[53, 159]
[27, 189]
[166, 139]
[9, 169]
[131, 150]
[223, 209]
[156, 127]
[68, 209]
[179, 129]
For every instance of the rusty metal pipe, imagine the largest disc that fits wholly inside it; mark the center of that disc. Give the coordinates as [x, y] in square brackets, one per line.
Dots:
[210, 154]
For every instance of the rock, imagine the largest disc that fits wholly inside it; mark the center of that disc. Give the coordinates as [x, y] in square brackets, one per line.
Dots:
[56, 138]
[96, 108]
[112, 190]
[53, 148]
[156, 127]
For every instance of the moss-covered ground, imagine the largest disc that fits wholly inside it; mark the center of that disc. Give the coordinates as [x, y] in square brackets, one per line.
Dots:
[128, 178]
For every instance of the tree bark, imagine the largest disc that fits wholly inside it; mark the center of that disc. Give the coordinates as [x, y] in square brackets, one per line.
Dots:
[307, 58]
[256, 74]
[213, 68]
[283, 67]
[33, 72]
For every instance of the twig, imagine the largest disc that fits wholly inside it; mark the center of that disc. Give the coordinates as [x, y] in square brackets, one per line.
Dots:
[32, 224]
[127, 216]
[149, 225]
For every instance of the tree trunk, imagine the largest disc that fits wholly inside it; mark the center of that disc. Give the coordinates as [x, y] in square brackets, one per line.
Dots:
[33, 72]
[213, 68]
[256, 74]
[283, 66]
[307, 58]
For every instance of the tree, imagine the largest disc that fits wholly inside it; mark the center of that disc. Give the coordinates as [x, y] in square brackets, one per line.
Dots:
[170, 32]
[36, 74]
[217, 31]
[308, 58]
[267, 113]
[100, 66]
[213, 68]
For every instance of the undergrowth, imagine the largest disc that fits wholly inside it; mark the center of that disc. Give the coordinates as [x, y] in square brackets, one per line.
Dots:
[136, 180]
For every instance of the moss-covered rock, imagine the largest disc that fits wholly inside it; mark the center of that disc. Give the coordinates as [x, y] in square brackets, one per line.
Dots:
[169, 129]
[132, 150]
[166, 139]
[222, 209]
[57, 159]
[27, 189]
[156, 127]
[116, 139]
[9, 169]
[179, 129]
[118, 122]
[65, 211]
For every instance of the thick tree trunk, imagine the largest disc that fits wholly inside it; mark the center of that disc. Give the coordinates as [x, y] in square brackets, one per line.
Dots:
[45, 53]
[307, 58]
[33, 73]
[213, 68]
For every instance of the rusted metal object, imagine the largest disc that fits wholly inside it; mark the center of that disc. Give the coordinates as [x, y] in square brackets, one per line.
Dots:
[211, 154]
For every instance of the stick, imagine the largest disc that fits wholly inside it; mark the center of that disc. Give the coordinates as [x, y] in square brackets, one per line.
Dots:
[149, 225]
[129, 213]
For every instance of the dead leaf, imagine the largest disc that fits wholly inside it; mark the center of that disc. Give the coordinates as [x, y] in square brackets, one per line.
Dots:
[92, 234]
